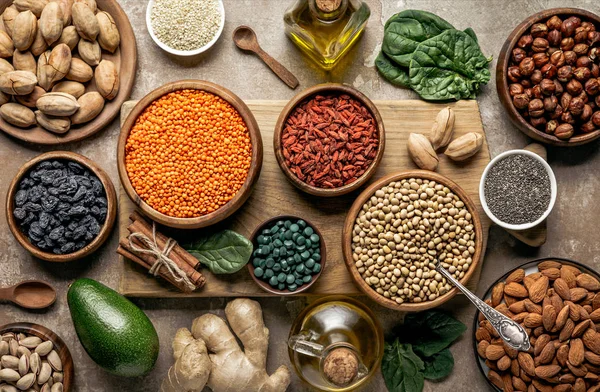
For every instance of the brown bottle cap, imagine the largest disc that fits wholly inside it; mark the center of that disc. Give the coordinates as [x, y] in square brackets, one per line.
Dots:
[328, 6]
[341, 366]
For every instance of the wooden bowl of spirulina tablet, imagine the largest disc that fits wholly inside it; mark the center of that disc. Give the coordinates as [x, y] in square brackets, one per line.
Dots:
[46, 205]
[286, 250]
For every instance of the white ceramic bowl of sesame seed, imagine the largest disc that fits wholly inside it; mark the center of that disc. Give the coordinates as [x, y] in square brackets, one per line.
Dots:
[184, 53]
[553, 191]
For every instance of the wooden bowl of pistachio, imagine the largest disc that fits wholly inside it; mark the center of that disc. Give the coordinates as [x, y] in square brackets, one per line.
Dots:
[400, 227]
[32, 356]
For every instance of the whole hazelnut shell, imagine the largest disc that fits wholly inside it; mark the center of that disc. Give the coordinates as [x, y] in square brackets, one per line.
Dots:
[564, 131]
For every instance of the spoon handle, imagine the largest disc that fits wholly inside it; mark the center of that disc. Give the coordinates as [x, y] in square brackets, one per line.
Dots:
[286, 76]
[510, 331]
[6, 293]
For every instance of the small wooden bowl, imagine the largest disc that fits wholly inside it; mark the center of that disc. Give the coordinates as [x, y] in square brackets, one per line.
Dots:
[59, 345]
[327, 88]
[242, 195]
[111, 215]
[502, 81]
[265, 285]
[349, 226]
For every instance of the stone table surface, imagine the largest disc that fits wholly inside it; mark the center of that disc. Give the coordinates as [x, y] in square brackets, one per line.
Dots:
[572, 227]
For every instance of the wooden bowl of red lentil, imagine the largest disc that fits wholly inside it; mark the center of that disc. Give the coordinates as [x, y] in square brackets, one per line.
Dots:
[329, 140]
[189, 154]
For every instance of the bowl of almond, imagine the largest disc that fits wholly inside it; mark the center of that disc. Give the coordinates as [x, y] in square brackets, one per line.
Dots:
[557, 301]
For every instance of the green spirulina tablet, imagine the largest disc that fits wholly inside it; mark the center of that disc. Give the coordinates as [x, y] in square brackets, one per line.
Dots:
[269, 273]
[310, 263]
[281, 277]
[278, 243]
[292, 287]
[295, 228]
[288, 235]
[305, 255]
[297, 258]
[307, 243]
[281, 286]
[273, 281]
[277, 267]
[317, 268]
[287, 224]
[290, 279]
[300, 268]
[314, 238]
[308, 231]
[270, 263]
[258, 272]
[301, 240]
[307, 278]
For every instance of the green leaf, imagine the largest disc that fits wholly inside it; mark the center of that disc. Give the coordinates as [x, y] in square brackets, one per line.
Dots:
[404, 31]
[448, 66]
[401, 368]
[392, 72]
[432, 331]
[224, 252]
[438, 366]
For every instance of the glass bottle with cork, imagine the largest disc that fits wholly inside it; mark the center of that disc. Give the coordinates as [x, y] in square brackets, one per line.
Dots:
[326, 29]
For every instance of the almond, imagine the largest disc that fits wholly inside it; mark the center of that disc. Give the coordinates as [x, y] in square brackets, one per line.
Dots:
[511, 352]
[497, 294]
[91, 104]
[595, 315]
[519, 384]
[482, 334]
[547, 354]
[516, 276]
[568, 276]
[79, 71]
[526, 363]
[538, 289]
[592, 358]
[503, 363]
[482, 347]
[579, 386]
[562, 354]
[578, 371]
[576, 271]
[17, 114]
[591, 339]
[561, 287]
[588, 282]
[549, 264]
[464, 147]
[557, 302]
[551, 273]
[24, 30]
[567, 330]
[17, 82]
[549, 317]
[496, 379]
[421, 152]
[108, 35]
[51, 22]
[547, 371]
[515, 369]
[57, 104]
[517, 307]
[540, 343]
[576, 352]
[580, 328]
[573, 311]
[515, 290]
[567, 378]
[90, 52]
[531, 307]
[596, 302]
[57, 125]
[578, 293]
[85, 21]
[562, 317]
[494, 352]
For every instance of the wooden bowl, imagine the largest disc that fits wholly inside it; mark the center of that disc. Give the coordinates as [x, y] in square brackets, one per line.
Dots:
[327, 88]
[242, 195]
[265, 285]
[111, 215]
[349, 226]
[59, 345]
[502, 81]
[125, 58]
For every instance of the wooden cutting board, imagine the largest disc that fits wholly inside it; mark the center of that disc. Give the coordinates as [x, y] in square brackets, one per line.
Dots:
[274, 195]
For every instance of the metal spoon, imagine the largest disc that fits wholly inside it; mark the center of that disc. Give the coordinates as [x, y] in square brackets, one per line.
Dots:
[510, 331]
[245, 39]
[30, 294]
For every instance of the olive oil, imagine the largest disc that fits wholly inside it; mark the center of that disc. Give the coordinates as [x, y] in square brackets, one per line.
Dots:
[326, 29]
[330, 323]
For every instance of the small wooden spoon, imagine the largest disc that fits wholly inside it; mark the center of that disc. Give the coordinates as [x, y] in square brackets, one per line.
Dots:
[29, 294]
[245, 39]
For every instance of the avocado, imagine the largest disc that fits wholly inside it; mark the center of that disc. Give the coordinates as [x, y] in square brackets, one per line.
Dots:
[115, 333]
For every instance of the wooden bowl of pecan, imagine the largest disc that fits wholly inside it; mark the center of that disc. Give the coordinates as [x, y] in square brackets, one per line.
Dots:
[329, 140]
[558, 303]
[548, 76]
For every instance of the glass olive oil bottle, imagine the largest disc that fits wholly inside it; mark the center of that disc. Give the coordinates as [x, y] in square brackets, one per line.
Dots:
[326, 29]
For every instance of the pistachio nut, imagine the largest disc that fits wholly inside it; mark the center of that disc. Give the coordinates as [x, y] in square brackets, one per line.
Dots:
[465, 146]
[5, 66]
[39, 44]
[30, 99]
[26, 381]
[23, 365]
[24, 30]
[13, 344]
[8, 388]
[54, 360]
[10, 362]
[421, 152]
[53, 124]
[22, 350]
[108, 37]
[8, 18]
[35, 6]
[85, 21]
[76, 89]
[18, 82]
[58, 387]
[35, 361]
[90, 106]
[44, 348]
[24, 61]
[57, 104]
[9, 375]
[106, 76]
[58, 376]
[69, 37]
[51, 22]
[30, 342]
[6, 45]
[90, 52]
[79, 71]
[45, 373]
[443, 129]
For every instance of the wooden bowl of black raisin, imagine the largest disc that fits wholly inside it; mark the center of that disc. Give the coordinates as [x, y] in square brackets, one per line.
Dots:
[61, 206]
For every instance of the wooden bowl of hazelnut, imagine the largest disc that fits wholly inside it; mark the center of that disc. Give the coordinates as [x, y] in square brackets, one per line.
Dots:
[548, 76]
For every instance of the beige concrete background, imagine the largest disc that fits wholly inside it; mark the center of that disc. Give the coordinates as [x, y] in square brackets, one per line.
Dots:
[573, 226]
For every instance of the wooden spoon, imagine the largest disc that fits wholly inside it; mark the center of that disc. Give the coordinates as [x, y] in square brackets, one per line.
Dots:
[245, 39]
[29, 294]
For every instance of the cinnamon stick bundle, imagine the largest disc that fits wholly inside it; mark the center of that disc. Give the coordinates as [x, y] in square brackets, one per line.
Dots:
[179, 256]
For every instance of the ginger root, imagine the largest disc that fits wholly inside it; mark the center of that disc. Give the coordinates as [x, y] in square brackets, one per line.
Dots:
[227, 368]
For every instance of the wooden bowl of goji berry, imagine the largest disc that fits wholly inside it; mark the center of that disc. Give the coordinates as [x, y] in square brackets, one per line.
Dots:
[329, 140]
[189, 154]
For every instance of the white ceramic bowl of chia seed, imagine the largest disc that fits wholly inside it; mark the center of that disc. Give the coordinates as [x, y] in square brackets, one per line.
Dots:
[171, 19]
[536, 199]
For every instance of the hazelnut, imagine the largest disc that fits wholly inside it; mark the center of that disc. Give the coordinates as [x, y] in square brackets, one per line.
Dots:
[514, 74]
[559, 87]
[587, 112]
[540, 59]
[521, 101]
[540, 45]
[588, 26]
[515, 88]
[587, 127]
[526, 83]
[547, 87]
[554, 38]
[569, 25]
[596, 118]
[551, 126]
[580, 34]
[536, 76]
[518, 55]
[593, 37]
[557, 112]
[548, 71]
[557, 59]
[564, 73]
[582, 74]
[580, 49]
[527, 66]
[565, 100]
[550, 104]
[529, 92]
[583, 96]
[538, 122]
[574, 87]
[583, 61]
[564, 131]
[576, 106]
[554, 23]
[570, 57]
[568, 118]
[597, 101]
[567, 44]
[539, 30]
[537, 91]
[525, 41]
[595, 70]
[592, 86]
[536, 108]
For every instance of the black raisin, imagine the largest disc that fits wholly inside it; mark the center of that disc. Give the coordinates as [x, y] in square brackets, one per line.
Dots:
[75, 167]
[79, 232]
[97, 186]
[66, 198]
[81, 192]
[63, 216]
[44, 165]
[62, 240]
[57, 165]
[57, 233]
[72, 226]
[101, 201]
[53, 191]
[58, 181]
[83, 181]
[20, 213]
[32, 207]
[20, 198]
[89, 236]
[102, 216]
[44, 220]
[63, 206]
[29, 219]
[78, 210]
[49, 203]
[94, 227]
[67, 248]
[49, 241]
[36, 193]
[95, 211]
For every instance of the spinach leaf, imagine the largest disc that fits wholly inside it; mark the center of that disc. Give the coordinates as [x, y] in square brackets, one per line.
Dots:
[438, 366]
[401, 368]
[433, 331]
[404, 31]
[448, 66]
[393, 73]
[224, 252]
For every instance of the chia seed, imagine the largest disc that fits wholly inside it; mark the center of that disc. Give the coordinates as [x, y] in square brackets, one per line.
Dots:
[517, 189]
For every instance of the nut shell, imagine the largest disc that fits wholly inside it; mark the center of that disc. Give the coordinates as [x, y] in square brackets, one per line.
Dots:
[464, 147]
[421, 152]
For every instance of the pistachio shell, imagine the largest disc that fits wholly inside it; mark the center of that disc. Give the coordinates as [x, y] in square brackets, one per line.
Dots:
[35, 361]
[6, 45]
[5, 66]
[18, 83]
[69, 37]
[58, 387]
[465, 146]
[421, 151]
[24, 30]
[10, 362]
[106, 76]
[76, 89]
[57, 104]
[24, 61]
[51, 22]
[3, 348]
[39, 44]
[90, 106]
[44, 348]
[79, 71]
[443, 129]
[108, 37]
[53, 124]
[26, 381]
[54, 359]
[23, 365]
[90, 52]
[85, 21]
[35, 6]
[45, 373]
[8, 17]
[9, 375]
[30, 342]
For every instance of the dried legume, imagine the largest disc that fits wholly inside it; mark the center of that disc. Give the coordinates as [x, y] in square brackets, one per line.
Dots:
[329, 141]
[403, 230]
[188, 153]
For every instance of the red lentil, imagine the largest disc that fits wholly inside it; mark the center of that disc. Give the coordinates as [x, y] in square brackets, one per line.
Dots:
[329, 141]
[188, 153]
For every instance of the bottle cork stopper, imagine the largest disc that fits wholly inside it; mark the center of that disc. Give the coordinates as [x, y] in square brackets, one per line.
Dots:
[340, 366]
[328, 6]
